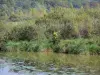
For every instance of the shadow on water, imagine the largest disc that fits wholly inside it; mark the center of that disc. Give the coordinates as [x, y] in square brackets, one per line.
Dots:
[28, 63]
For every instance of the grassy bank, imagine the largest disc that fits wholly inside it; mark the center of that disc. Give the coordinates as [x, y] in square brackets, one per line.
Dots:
[73, 46]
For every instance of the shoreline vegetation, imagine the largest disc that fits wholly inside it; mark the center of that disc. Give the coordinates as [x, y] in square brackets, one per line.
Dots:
[61, 30]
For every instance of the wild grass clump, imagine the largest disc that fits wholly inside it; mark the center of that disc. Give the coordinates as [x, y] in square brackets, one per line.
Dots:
[73, 46]
[3, 46]
[56, 48]
[14, 18]
[22, 46]
[80, 46]
[94, 49]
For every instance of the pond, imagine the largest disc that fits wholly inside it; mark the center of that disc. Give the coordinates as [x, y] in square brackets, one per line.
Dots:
[29, 63]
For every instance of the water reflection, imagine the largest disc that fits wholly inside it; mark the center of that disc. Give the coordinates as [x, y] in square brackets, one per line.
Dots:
[18, 68]
[50, 64]
[6, 71]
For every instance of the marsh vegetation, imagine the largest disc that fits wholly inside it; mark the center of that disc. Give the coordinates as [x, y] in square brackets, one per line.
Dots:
[66, 30]
[49, 37]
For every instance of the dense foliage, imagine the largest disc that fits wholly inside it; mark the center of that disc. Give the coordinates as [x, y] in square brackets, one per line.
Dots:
[6, 6]
[50, 25]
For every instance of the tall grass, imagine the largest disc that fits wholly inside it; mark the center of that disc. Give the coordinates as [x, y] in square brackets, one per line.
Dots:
[80, 46]
[22, 46]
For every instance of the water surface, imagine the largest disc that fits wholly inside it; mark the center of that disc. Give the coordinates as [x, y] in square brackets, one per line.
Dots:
[28, 63]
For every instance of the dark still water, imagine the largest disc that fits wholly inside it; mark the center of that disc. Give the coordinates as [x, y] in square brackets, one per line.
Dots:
[28, 63]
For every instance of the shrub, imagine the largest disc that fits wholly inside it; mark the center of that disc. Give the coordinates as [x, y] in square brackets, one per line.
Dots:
[34, 47]
[49, 32]
[22, 33]
[74, 47]
[67, 31]
[96, 28]
[2, 46]
[1, 26]
[94, 13]
[24, 46]
[84, 33]
[56, 48]
[14, 18]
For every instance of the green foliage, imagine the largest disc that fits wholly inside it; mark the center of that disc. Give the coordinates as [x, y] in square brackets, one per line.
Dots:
[71, 23]
[22, 33]
[2, 46]
[1, 26]
[49, 32]
[80, 46]
[9, 6]
[67, 31]
[94, 49]
[22, 46]
[56, 48]
[76, 27]
[74, 46]
[14, 18]
[34, 47]
[96, 30]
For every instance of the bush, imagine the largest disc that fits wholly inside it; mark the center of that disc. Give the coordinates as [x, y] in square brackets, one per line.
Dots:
[49, 32]
[24, 46]
[94, 13]
[34, 47]
[96, 28]
[1, 26]
[14, 18]
[67, 31]
[56, 48]
[22, 33]
[2, 46]
[84, 33]
[74, 47]
[13, 46]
